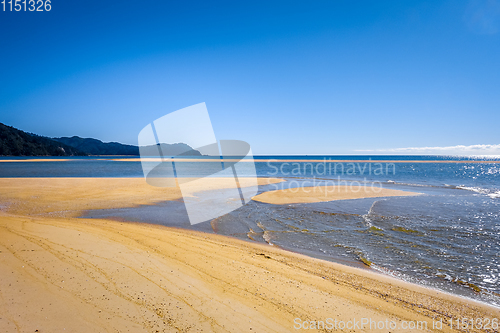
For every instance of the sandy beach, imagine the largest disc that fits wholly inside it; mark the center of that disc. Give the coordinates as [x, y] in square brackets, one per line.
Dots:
[64, 273]
[326, 193]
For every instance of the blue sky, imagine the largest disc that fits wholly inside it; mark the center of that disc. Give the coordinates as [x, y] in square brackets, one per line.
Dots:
[303, 77]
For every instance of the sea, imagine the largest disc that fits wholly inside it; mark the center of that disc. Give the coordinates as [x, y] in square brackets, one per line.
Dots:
[447, 238]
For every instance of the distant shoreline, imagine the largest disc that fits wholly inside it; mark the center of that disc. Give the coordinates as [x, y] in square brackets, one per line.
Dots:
[127, 158]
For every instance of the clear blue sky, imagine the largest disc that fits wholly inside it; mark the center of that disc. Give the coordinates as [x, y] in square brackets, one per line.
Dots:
[289, 77]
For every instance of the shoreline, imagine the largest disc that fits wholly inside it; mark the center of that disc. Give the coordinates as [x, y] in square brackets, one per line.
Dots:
[356, 266]
[146, 277]
[337, 289]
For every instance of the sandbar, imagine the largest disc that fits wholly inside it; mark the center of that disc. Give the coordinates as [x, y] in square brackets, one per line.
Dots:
[326, 193]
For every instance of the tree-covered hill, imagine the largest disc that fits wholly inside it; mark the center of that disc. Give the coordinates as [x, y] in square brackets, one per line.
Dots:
[97, 147]
[14, 142]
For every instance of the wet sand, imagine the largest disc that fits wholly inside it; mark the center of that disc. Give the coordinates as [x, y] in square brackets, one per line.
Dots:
[326, 193]
[62, 273]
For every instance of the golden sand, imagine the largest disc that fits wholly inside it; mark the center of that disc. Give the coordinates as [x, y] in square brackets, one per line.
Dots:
[61, 273]
[69, 196]
[326, 193]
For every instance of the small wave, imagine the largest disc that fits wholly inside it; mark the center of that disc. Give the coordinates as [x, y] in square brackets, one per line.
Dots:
[494, 195]
[366, 217]
[413, 184]
[399, 275]
[367, 220]
[473, 189]
[480, 190]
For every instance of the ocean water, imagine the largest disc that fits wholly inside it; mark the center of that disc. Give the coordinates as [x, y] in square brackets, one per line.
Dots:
[447, 238]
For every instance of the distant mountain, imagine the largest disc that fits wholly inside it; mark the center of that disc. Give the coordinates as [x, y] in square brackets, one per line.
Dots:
[14, 142]
[97, 147]
[175, 149]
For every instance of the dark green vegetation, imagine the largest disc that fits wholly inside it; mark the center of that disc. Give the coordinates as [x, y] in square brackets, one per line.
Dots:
[14, 142]
[97, 147]
[175, 149]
